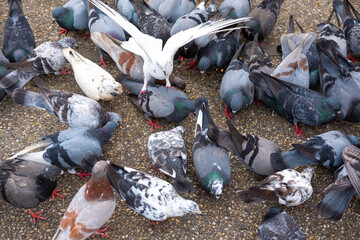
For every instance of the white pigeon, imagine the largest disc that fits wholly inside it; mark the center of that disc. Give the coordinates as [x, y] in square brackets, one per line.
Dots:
[158, 60]
[93, 80]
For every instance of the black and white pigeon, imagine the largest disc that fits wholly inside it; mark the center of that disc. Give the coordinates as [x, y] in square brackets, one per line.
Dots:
[211, 161]
[158, 101]
[67, 148]
[72, 109]
[252, 150]
[346, 185]
[173, 9]
[287, 187]
[279, 225]
[168, 154]
[18, 38]
[25, 184]
[158, 58]
[151, 197]
[340, 79]
[324, 149]
[301, 104]
[263, 19]
[44, 59]
[236, 89]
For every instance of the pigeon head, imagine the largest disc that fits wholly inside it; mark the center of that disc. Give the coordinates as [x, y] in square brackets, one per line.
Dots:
[335, 104]
[114, 88]
[18, 55]
[217, 187]
[272, 212]
[63, 17]
[191, 207]
[237, 102]
[115, 117]
[51, 172]
[326, 112]
[179, 129]
[67, 42]
[204, 64]
[308, 173]
[98, 187]
[106, 132]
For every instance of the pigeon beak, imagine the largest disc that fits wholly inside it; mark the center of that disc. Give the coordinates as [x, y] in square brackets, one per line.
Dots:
[114, 94]
[61, 172]
[202, 73]
[76, 46]
[54, 20]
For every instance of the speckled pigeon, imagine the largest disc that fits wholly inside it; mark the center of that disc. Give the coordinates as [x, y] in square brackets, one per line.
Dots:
[18, 38]
[241, 8]
[159, 101]
[252, 150]
[236, 89]
[72, 109]
[287, 187]
[302, 104]
[173, 9]
[168, 154]
[151, 197]
[91, 207]
[67, 148]
[324, 149]
[346, 185]
[279, 225]
[211, 161]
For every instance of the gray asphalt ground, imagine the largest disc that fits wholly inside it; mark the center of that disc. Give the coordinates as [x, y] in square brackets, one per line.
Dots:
[228, 218]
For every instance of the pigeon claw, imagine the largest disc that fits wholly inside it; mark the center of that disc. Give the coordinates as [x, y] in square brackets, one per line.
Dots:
[101, 232]
[154, 124]
[352, 58]
[35, 215]
[55, 193]
[64, 71]
[83, 174]
[86, 35]
[142, 92]
[257, 102]
[226, 112]
[103, 61]
[159, 171]
[298, 131]
[63, 31]
[192, 65]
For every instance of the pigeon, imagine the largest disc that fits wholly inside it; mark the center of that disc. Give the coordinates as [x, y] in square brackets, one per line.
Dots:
[211, 162]
[127, 9]
[25, 184]
[103, 86]
[18, 38]
[236, 89]
[263, 19]
[168, 154]
[72, 109]
[149, 196]
[72, 16]
[127, 62]
[173, 9]
[158, 101]
[287, 187]
[98, 21]
[302, 104]
[294, 68]
[252, 150]
[340, 79]
[241, 8]
[158, 59]
[344, 188]
[91, 207]
[44, 59]
[279, 225]
[3, 72]
[324, 149]
[67, 148]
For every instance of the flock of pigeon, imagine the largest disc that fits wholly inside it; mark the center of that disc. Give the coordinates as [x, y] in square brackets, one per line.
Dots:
[144, 39]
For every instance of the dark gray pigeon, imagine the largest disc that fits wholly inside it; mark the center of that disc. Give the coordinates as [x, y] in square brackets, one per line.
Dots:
[18, 38]
[72, 109]
[159, 101]
[252, 150]
[168, 154]
[236, 89]
[302, 104]
[340, 79]
[66, 149]
[44, 59]
[25, 184]
[346, 185]
[279, 225]
[324, 149]
[211, 161]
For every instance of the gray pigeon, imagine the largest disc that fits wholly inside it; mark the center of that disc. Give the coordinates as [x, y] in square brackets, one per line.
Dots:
[168, 154]
[3, 72]
[236, 89]
[44, 59]
[346, 185]
[287, 187]
[66, 149]
[241, 8]
[173, 9]
[340, 79]
[159, 101]
[324, 149]
[252, 150]
[279, 225]
[127, 9]
[72, 109]
[18, 38]
[211, 161]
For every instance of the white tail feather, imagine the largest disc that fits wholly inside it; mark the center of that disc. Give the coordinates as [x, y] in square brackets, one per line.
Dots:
[40, 144]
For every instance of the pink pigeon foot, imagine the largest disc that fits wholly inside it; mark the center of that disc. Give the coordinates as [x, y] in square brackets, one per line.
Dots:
[101, 232]
[298, 131]
[83, 174]
[64, 71]
[153, 124]
[352, 58]
[181, 58]
[55, 193]
[35, 215]
[192, 65]
[141, 93]
[86, 35]
[257, 102]
[63, 31]
[103, 62]
[159, 171]
[226, 112]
